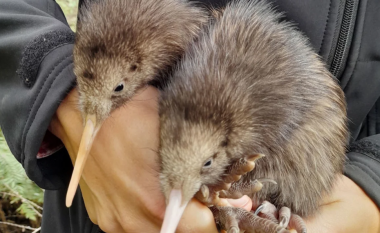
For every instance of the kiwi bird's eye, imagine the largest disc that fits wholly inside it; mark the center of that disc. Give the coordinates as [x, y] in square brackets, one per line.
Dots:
[119, 87]
[208, 163]
[133, 68]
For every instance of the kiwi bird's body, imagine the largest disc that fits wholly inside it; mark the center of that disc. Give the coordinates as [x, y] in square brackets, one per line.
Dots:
[251, 84]
[120, 47]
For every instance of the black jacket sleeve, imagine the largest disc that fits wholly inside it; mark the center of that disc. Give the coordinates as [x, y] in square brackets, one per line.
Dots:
[363, 165]
[35, 75]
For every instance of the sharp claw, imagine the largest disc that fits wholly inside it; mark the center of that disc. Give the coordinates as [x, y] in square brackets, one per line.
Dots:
[259, 209]
[233, 230]
[231, 178]
[284, 216]
[249, 166]
[267, 180]
[255, 157]
[203, 195]
[205, 191]
[267, 208]
[256, 187]
[284, 221]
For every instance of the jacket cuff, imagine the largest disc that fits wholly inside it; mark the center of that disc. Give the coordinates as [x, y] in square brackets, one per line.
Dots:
[55, 78]
[363, 166]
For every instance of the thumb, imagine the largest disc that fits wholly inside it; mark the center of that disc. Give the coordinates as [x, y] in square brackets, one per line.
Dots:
[244, 202]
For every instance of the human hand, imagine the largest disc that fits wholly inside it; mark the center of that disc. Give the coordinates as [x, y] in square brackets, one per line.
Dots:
[119, 184]
[347, 209]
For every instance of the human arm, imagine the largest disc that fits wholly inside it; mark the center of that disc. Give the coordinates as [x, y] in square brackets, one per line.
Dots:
[354, 203]
[35, 75]
[120, 182]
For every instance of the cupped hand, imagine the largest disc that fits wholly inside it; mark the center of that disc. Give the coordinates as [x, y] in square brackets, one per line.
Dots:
[347, 210]
[120, 184]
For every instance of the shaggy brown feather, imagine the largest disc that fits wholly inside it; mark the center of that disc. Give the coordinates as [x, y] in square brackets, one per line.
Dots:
[130, 41]
[252, 84]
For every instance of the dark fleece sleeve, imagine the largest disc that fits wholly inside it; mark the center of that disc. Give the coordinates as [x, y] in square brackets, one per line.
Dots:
[35, 75]
[363, 165]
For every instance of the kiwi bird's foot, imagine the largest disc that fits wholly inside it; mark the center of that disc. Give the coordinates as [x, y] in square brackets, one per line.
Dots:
[235, 220]
[229, 188]
[237, 190]
[283, 217]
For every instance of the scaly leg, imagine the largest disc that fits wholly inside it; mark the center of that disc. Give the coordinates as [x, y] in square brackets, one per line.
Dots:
[234, 220]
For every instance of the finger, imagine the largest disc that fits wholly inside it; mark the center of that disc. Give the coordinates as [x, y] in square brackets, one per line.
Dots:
[244, 202]
[197, 218]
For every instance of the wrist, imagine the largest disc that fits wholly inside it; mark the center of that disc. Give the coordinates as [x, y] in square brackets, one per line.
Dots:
[66, 123]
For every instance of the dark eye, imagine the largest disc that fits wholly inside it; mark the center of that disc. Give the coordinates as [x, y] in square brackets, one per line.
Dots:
[208, 163]
[119, 87]
[133, 68]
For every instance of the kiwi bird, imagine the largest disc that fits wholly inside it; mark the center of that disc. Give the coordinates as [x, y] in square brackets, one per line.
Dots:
[251, 84]
[121, 46]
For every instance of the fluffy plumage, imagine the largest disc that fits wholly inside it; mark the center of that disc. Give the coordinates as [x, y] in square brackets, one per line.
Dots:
[129, 42]
[252, 84]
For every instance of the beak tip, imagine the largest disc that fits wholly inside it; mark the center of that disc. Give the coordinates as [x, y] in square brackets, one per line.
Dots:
[173, 212]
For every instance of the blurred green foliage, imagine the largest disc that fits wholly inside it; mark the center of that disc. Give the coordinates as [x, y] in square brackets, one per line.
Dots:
[70, 9]
[16, 188]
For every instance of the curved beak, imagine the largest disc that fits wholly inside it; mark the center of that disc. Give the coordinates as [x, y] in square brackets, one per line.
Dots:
[174, 211]
[91, 128]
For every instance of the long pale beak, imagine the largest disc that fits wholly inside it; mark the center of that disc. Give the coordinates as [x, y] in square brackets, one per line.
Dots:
[173, 212]
[89, 133]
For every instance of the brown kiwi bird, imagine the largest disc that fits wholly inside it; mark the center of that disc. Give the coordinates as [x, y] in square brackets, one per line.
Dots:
[251, 84]
[121, 46]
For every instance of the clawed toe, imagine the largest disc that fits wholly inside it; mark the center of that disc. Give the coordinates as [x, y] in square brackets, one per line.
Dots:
[235, 220]
[297, 223]
[240, 167]
[267, 210]
[207, 196]
[228, 189]
[284, 214]
[285, 218]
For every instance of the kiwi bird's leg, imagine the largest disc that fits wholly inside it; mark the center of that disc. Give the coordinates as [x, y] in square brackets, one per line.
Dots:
[90, 130]
[234, 220]
[286, 218]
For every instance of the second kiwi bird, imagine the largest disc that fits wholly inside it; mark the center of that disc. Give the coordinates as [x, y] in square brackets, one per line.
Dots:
[121, 46]
[251, 84]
